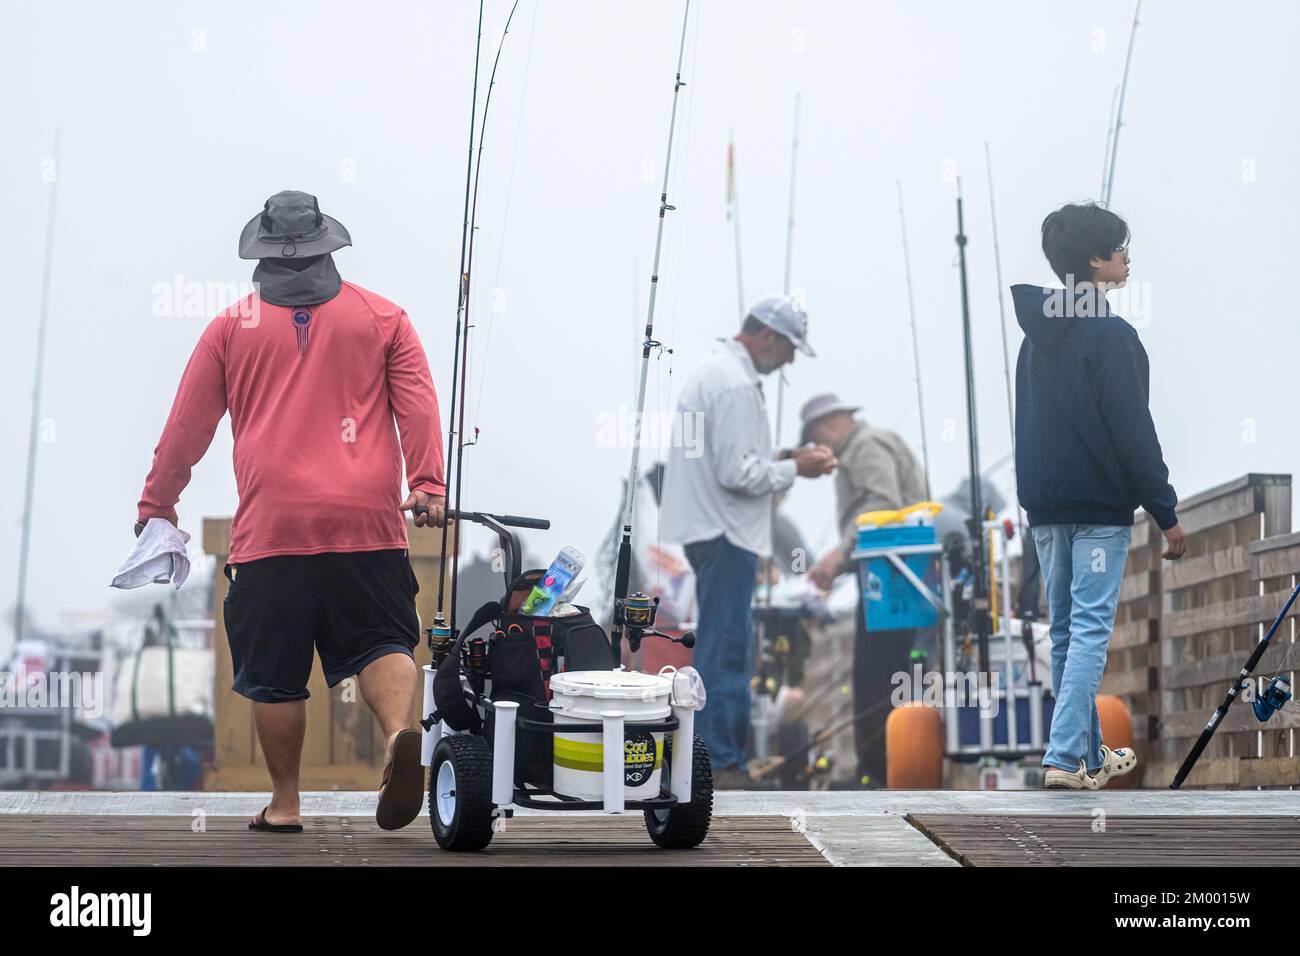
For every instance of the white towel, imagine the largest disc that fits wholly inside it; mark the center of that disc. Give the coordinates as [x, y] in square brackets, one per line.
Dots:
[159, 556]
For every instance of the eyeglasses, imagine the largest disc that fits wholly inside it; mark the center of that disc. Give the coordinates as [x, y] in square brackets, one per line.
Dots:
[1122, 250]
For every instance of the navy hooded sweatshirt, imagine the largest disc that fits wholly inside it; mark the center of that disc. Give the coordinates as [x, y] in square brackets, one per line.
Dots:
[1086, 448]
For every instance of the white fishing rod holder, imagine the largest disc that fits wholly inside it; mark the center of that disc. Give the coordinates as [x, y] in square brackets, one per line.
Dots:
[612, 728]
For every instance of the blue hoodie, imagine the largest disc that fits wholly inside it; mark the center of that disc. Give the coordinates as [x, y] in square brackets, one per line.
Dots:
[1086, 448]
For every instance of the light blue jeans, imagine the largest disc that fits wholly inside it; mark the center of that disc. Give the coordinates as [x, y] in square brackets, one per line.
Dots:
[1083, 566]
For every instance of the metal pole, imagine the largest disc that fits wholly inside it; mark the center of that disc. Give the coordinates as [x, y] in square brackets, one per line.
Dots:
[29, 491]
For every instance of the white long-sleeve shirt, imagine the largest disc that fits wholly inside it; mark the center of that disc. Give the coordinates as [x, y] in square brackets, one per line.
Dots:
[721, 472]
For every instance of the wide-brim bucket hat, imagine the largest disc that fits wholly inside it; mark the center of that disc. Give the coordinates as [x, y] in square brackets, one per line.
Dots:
[291, 226]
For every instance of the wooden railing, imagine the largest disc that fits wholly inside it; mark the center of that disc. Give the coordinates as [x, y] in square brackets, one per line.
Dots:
[1185, 628]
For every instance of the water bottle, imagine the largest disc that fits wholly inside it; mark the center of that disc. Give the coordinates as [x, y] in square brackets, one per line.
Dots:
[544, 595]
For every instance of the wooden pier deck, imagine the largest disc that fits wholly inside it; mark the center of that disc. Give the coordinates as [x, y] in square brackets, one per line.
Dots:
[882, 828]
[334, 841]
[977, 840]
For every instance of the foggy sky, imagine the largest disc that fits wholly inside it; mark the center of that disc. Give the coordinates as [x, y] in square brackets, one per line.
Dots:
[179, 119]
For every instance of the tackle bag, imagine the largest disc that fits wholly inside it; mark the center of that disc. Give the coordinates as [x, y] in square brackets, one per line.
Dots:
[523, 654]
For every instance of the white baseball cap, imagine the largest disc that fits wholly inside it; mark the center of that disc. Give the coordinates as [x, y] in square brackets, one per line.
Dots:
[781, 313]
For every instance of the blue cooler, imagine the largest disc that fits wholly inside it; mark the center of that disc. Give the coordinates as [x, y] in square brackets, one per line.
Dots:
[889, 600]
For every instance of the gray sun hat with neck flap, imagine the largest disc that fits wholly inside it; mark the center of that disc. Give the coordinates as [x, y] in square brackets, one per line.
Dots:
[817, 408]
[291, 226]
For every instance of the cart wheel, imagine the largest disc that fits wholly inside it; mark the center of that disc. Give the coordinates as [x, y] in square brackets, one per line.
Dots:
[685, 825]
[460, 793]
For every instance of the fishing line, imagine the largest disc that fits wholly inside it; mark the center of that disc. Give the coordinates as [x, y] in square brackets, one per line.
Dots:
[460, 367]
[663, 395]
[505, 216]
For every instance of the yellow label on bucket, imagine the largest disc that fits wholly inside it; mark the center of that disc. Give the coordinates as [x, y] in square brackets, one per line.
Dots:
[640, 756]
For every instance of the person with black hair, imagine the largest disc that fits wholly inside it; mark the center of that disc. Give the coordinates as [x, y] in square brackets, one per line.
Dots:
[1087, 457]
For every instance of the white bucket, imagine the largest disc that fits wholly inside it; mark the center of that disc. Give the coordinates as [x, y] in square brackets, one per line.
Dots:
[580, 697]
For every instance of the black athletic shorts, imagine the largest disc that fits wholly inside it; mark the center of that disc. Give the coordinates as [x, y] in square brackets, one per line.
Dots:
[354, 606]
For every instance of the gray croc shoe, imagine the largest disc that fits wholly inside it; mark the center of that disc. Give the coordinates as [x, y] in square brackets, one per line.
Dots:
[1058, 779]
[1116, 763]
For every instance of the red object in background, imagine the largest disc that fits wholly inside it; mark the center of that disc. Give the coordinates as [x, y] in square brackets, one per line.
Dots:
[657, 653]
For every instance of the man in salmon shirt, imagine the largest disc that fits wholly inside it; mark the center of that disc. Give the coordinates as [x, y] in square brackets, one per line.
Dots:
[315, 372]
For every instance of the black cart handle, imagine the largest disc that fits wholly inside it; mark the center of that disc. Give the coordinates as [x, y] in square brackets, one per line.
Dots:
[514, 521]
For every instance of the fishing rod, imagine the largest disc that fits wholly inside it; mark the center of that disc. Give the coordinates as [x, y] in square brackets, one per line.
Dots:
[30, 486]
[780, 374]
[1110, 135]
[733, 214]
[445, 627]
[916, 347]
[624, 568]
[979, 599]
[789, 257]
[440, 626]
[1275, 695]
[1119, 112]
[1002, 319]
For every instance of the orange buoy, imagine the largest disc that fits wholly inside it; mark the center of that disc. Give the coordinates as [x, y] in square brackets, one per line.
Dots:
[914, 748]
[1117, 731]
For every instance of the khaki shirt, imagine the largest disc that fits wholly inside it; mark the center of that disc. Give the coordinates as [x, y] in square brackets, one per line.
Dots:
[876, 472]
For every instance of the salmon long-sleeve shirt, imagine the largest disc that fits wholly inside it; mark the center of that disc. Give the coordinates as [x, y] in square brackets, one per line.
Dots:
[313, 394]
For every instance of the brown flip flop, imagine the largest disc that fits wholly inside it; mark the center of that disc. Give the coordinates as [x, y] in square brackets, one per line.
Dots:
[402, 793]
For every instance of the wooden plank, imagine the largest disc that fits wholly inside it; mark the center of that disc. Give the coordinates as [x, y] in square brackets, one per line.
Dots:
[1231, 772]
[234, 739]
[551, 841]
[1191, 571]
[1130, 634]
[1135, 587]
[1043, 840]
[253, 777]
[1125, 683]
[1255, 609]
[350, 726]
[1231, 500]
[1274, 557]
[1221, 670]
[1241, 717]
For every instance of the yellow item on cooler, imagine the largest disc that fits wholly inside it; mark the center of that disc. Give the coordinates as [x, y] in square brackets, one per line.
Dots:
[882, 518]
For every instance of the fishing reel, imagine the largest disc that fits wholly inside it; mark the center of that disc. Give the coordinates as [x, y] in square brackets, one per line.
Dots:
[637, 615]
[1273, 698]
[440, 640]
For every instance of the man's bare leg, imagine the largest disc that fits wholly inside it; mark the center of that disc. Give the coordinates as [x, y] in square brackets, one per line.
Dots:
[281, 728]
[388, 688]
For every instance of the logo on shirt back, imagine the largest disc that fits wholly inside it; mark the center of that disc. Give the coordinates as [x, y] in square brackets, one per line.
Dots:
[301, 323]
